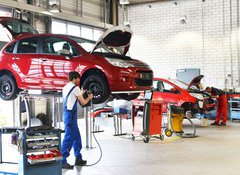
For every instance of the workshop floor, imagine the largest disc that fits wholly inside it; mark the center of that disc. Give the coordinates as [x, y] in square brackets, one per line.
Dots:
[216, 150]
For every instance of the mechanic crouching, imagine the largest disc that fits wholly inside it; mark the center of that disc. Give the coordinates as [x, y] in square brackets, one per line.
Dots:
[72, 138]
[222, 109]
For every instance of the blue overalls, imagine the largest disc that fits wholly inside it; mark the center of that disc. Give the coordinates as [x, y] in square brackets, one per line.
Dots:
[72, 136]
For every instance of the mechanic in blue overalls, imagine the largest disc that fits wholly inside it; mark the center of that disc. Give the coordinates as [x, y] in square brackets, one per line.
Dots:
[72, 138]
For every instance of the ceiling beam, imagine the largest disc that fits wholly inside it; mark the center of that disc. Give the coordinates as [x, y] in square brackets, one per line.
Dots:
[58, 15]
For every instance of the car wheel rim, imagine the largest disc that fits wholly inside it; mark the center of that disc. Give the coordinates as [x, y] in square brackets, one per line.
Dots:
[6, 88]
[96, 89]
[188, 114]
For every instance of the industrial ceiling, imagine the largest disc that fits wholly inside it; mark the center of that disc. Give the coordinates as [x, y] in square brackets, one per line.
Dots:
[143, 1]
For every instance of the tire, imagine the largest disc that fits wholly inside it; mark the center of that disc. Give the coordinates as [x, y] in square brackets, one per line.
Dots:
[98, 86]
[132, 137]
[161, 137]
[130, 96]
[8, 88]
[146, 139]
[188, 114]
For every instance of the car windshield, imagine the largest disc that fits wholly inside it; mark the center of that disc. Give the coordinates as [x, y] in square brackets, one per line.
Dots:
[18, 27]
[88, 45]
[179, 83]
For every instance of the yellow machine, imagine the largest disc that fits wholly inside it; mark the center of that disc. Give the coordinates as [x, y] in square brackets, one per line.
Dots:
[175, 116]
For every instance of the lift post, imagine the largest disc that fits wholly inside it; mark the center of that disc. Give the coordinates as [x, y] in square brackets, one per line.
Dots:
[89, 126]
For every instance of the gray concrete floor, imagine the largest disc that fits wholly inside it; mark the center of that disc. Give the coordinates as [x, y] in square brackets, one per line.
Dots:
[216, 150]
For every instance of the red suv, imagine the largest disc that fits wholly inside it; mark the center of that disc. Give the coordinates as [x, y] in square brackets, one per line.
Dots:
[42, 61]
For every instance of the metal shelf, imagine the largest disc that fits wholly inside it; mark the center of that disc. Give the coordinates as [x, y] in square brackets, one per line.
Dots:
[44, 160]
[47, 136]
[40, 151]
[234, 106]
[36, 144]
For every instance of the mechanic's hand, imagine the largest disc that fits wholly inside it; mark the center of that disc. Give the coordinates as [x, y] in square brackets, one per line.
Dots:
[90, 96]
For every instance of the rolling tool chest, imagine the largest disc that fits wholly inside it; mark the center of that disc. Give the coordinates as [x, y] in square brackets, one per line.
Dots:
[39, 152]
[234, 108]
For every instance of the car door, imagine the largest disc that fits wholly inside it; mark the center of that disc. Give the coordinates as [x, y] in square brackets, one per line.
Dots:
[58, 58]
[167, 93]
[24, 62]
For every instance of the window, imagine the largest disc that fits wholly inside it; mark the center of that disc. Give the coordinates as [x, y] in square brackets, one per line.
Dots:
[20, 27]
[10, 48]
[74, 29]
[161, 86]
[28, 45]
[5, 34]
[96, 34]
[59, 27]
[87, 33]
[54, 45]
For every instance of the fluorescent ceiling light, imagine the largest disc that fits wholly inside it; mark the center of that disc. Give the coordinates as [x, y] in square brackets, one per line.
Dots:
[123, 2]
[54, 8]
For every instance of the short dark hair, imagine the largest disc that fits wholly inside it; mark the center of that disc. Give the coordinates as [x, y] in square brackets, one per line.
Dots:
[73, 75]
[208, 89]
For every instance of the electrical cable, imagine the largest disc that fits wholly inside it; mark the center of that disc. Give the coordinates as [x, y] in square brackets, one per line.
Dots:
[99, 146]
[188, 135]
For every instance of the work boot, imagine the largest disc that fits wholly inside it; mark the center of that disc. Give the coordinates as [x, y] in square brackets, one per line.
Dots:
[214, 123]
[80, 162]
[67, 166]
[222, 124]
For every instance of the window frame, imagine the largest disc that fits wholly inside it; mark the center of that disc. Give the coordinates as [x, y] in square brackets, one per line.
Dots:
[19, 41]
[43, 41]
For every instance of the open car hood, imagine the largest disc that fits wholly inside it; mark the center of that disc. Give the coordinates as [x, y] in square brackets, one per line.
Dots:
[195, 80]
[116, 38]
[14, 27]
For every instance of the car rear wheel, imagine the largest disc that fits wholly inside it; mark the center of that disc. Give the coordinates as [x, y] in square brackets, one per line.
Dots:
[8, 88]
[99, 88]
[126, 96]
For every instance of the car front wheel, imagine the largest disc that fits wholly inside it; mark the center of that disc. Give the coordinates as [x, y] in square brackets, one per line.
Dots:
[99, 88]
[8, 88]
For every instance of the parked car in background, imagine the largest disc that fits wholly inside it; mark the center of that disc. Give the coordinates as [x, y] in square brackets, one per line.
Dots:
[188, 96]
[43, 61]
[10, 28]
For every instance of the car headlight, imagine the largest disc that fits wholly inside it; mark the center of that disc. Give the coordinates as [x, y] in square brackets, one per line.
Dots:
[119, 63]
[197, 95]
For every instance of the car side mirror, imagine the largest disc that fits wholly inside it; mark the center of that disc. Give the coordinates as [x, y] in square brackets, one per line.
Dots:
[68, 56]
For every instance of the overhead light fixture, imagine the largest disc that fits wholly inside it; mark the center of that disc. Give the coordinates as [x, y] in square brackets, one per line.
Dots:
[54, 8]
[123, 2]
[18, 10]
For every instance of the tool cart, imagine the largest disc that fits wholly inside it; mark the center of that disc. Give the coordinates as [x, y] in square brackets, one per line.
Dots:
[39, 151]
[152, 120]
[234, 108]
[150, 124]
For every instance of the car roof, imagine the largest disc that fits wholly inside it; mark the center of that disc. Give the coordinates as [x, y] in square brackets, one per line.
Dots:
[49, 35]
[65, 37]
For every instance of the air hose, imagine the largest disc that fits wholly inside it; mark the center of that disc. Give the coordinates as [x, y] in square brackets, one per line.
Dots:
[99, 146]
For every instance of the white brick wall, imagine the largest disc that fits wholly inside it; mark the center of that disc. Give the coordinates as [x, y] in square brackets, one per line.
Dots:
[205, 41]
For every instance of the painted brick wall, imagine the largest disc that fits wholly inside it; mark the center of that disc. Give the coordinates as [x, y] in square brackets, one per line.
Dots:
[209, 39]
